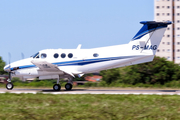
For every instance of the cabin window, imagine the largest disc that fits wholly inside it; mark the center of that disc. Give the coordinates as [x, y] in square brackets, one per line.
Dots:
[63, 55]
[56, 55]
[70, 55]
[43, 55]
[95, 55]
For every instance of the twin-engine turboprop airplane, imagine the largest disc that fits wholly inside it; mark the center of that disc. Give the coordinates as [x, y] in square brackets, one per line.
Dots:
[66, 63]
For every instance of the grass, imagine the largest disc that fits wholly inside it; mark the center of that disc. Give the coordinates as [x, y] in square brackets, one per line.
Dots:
[97, 107]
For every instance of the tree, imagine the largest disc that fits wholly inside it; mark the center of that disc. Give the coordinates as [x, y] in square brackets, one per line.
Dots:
[111, 75]
[158, 71]
[2, 64]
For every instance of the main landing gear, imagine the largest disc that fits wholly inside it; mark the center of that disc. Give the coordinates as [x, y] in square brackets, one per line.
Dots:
[56, 87]
[68, 85]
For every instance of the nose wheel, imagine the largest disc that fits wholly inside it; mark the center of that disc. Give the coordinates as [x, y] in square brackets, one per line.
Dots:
[9, 86]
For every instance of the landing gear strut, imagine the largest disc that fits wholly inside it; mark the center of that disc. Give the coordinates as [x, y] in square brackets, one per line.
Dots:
[57, 86]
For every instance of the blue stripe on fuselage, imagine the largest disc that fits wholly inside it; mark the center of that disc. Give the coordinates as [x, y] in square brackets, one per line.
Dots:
[80, 62]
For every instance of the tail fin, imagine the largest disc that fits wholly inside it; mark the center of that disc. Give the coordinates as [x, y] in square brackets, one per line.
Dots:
[149, 36]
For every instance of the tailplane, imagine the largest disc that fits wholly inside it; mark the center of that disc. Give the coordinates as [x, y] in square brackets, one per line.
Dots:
[149, 36]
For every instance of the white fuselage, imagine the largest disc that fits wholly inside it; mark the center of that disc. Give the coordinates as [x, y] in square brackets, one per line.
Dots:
[82, 60]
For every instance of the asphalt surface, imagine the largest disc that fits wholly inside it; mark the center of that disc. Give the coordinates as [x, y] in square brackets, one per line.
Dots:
[93, 91]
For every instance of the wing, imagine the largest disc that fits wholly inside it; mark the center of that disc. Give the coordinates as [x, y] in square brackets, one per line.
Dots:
[46, 66]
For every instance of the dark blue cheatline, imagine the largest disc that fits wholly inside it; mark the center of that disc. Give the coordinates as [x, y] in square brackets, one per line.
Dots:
[81, 62]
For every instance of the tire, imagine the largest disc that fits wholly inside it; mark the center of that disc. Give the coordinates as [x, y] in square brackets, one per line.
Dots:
[56, 87]
[9, 86]
[68, 86]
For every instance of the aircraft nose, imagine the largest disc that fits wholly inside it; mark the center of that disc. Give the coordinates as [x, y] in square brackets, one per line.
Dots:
[7, 68]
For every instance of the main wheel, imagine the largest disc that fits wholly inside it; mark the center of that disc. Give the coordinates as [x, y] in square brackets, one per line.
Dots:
[56, 87]
[9, 86]
[68, 86]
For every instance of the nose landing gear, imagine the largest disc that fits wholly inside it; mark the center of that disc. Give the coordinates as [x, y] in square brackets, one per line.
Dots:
[9, 85]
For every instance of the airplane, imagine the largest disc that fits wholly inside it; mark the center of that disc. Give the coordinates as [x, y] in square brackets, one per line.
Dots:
[68, 63]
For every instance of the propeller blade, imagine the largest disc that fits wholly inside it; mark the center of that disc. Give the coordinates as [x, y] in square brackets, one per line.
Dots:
[9, 60]
[9, 80]
[22, 55]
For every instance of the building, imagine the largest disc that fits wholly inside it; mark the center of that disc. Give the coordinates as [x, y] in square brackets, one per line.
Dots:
[94, 78]
[3, 79]
[169, 10]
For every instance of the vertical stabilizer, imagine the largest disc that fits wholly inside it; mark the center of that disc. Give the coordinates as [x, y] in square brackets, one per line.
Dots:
[149, 36]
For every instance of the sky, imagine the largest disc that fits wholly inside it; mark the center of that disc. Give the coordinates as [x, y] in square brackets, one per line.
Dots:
[28, 26]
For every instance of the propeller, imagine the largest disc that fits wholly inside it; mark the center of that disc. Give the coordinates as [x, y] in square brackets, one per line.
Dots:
[9, 71]
[22, 55]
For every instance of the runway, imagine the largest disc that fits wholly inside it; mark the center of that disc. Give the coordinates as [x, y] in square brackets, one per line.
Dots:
[93, 91]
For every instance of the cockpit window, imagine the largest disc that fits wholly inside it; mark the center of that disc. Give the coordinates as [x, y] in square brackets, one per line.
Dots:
[43, 55]
[35, 55]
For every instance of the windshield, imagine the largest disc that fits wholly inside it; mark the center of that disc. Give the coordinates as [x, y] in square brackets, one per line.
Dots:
[35, 55]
